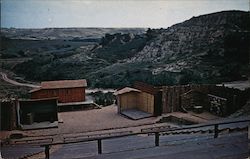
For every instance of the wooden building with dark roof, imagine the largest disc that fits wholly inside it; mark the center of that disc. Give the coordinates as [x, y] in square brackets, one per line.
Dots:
[66, 91]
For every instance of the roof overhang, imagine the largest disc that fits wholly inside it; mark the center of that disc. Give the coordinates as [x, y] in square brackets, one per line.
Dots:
[126, 90]
[37, 100]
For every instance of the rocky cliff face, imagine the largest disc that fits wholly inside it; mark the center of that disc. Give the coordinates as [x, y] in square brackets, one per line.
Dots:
[205, 49]
[201, 41]
[210, 48]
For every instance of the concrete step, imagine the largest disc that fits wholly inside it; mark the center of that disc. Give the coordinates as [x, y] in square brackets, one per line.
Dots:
[19, 151]
[224, 147]
[143, 147]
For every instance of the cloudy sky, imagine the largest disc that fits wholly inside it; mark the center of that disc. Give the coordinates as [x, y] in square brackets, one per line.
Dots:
[108, 13]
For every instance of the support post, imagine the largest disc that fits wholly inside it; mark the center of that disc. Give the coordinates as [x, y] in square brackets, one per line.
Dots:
[157, 135]
[47, 151]
[234, 101]
[99, 142]
[216, 131]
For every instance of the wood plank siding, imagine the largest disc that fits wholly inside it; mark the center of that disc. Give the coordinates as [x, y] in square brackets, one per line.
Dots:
[146, 102]
[175, 97]
[128, 100]
[67, 91]
[167, 99]
[64, 95]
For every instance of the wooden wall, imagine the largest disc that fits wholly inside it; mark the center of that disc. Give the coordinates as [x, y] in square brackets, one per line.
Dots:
[150, 98]
[135, 100]
[8, 116]
[146, 102]
[128, 100]
[43, 110]
[171, 96]
[65, 95]
[194, 98]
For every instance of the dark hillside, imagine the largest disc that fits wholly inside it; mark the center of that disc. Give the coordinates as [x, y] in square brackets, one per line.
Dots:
[211, 48]
[119, 46]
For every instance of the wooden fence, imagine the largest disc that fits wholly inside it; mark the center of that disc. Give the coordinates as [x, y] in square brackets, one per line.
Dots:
[156, 133]
[172, 99]
[8, 118]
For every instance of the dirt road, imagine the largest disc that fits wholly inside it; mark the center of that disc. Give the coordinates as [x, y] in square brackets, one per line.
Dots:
[5, 78]
[241, 85]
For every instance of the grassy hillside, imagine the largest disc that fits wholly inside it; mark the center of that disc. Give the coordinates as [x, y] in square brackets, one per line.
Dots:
[211, 48]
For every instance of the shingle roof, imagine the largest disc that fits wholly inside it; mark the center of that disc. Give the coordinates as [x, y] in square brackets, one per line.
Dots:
[62, 84]
[126, 90]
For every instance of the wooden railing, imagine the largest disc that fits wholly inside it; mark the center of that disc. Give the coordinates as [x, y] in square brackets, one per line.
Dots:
[143, 131]
[34, 141]
[114, 134]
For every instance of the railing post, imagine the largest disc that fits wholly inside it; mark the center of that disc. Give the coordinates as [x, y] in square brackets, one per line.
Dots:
[216, 131]
[99, 142]
[157, 138]
[47, 151]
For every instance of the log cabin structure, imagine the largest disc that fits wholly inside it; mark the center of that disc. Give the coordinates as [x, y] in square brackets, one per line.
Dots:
[67, 91]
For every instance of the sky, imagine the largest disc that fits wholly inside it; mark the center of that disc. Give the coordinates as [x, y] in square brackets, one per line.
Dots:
[109, 13]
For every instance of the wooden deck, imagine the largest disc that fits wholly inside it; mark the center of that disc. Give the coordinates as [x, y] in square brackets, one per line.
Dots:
[136, 114]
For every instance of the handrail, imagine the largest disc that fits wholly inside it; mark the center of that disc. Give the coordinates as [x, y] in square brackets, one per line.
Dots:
[157, 134]
[97, 135]
[197, 126]
[34, 140]
[94, 138]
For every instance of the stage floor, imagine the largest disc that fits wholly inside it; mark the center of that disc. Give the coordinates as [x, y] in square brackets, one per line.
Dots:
[136, 114]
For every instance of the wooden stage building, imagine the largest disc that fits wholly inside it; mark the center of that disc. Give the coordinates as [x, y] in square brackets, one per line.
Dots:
[140, 102]
[145, 100]
[28, 114]
[67, 91]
